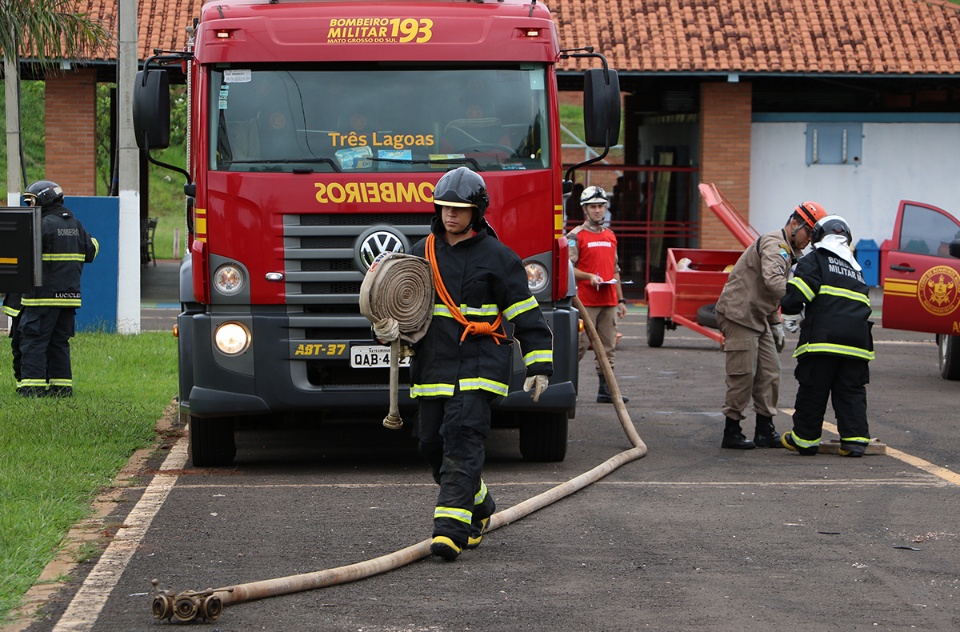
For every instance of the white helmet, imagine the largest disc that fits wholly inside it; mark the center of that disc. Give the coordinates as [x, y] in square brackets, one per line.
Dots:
[594, 195]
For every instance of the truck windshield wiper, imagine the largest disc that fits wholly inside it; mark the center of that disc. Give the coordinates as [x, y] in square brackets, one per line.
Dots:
[445, 161]
[287, 161]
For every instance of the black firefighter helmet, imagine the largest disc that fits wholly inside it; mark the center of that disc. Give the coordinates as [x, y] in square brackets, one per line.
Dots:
[831, 225]
[43, 193]
[462, 187]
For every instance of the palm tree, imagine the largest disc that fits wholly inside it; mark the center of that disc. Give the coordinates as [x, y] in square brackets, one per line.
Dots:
[43, 31]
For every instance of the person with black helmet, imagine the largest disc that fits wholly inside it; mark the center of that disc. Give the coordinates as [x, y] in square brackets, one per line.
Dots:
[836, 343]
[753, 334]
[48, 317]
[464, 361]
[596, 267]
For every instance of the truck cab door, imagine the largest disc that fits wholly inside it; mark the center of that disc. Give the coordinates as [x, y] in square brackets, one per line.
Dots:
[921, 281]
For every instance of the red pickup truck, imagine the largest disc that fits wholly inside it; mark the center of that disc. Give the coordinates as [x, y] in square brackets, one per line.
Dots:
[920, 275]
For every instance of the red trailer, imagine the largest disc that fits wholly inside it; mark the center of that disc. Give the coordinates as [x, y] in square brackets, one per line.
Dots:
[695, 278]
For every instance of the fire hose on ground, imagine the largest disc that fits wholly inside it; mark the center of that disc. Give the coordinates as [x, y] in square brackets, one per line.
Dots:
[209, 604]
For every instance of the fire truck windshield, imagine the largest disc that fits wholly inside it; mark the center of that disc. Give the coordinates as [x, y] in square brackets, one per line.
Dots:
[347, 118]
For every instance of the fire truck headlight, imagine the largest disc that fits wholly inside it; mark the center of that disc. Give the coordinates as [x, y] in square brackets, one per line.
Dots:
[228, 279]
[232, 338]
[537, 277]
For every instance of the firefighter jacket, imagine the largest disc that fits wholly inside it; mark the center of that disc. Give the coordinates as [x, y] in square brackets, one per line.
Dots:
[837, 312]
[484, 278]
[12, 304]
[751, 295]
[66, 246]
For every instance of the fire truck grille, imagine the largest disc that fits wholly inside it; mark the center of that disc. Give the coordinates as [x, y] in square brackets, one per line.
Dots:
[323, 274]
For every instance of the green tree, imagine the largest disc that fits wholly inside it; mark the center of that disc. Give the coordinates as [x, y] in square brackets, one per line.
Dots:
[43, 31]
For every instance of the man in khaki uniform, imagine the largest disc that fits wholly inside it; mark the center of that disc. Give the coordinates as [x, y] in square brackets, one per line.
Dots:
[748, 316]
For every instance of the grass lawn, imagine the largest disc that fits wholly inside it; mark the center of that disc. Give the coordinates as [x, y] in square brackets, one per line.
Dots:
[56, 455]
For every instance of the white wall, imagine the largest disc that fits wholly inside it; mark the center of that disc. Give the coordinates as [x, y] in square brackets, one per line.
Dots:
[901, 161]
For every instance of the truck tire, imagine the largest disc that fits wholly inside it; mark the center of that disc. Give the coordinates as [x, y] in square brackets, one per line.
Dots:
[656, 326]
[707, 316]
[543, 436]
[212, 442]
[948, 348]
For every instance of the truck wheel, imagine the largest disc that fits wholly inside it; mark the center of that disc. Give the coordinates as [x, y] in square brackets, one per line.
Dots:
[655, 327]
[211, 441]
[707, 316]
[543, 436]
[949, 355]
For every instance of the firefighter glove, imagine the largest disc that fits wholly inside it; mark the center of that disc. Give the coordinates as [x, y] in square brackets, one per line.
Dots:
[536, 383]
[779, 337]
[792, 322]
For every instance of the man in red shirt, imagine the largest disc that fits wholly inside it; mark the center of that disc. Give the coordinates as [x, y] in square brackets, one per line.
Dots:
[593, 251]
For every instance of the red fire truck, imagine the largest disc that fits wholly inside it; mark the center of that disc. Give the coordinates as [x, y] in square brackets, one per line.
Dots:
[318, 130]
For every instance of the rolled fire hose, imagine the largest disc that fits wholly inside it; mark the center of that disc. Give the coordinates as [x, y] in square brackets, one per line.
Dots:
[208, 604]
[397, 297]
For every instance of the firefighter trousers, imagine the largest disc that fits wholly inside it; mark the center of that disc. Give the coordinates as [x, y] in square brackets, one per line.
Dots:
[451, 433]
[753, 369]
[45, 334]
[843, 380]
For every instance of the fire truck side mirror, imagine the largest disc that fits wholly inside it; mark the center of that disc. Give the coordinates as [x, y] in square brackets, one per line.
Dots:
[151, 109]
[601, 107]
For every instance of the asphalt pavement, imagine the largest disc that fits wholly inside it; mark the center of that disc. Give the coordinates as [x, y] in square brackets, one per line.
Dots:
[690, 537]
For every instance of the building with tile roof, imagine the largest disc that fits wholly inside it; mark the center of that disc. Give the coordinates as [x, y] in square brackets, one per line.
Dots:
[773, 100]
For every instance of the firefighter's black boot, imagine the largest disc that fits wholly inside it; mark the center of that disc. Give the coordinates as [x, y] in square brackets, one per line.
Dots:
[603, 393]
[766, 435]
[733, 438]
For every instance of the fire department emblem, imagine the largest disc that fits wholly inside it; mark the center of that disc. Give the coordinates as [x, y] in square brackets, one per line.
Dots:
[377, 241]
[939, 290]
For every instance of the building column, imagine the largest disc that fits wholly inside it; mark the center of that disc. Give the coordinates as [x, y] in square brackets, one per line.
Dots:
[726, 113]
[71, 127]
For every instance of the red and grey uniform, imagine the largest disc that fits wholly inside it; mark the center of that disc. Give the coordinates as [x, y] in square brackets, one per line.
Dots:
[833, 351]
[747, 308]
[13, 307]
[596, 252]
[47, 321]
[455, 381]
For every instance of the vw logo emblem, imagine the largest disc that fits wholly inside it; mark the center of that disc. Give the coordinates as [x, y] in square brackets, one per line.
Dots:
[375, 242]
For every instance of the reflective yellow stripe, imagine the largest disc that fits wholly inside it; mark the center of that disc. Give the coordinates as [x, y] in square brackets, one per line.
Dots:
[863, 440]
[801, 285]
[483, 384]
[61, 381]
[482, 494]
[454, 513]
[96, 247]
[518, 308]
[841, 292]
[539, 355]
[803, 443]
[33, 382]
[10, 311]
[432, 390]
[51, 302]
[484, 310]
[71, 256]
[825, 347]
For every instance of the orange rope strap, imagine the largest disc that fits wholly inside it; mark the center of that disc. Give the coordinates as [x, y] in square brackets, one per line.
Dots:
[469, 327]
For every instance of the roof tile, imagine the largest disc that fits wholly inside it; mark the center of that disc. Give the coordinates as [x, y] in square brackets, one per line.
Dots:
[761, 36]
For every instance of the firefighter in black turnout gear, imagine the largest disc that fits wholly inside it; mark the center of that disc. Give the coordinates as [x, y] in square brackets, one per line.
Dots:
[464, 360]
[47, 321]
[835, 341]
[13, 307]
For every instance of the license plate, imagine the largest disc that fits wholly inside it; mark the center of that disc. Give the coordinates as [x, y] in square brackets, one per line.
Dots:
[373, 357]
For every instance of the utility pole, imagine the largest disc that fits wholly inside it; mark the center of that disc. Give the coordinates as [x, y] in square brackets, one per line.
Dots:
[128, 283]
[11, 74]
